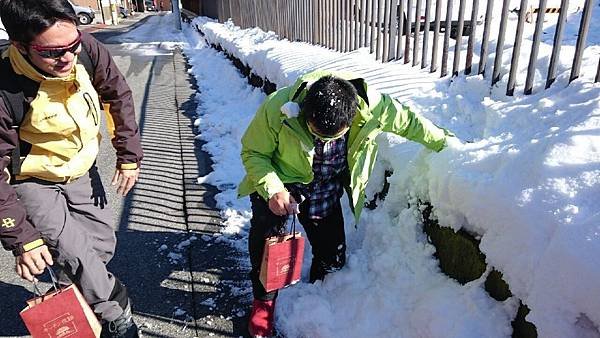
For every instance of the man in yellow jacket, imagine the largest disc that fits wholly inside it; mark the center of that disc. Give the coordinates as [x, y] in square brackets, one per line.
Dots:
[52, 209]
[306, 144]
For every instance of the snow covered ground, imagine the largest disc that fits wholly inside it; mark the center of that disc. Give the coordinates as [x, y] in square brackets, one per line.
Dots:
[528, 182]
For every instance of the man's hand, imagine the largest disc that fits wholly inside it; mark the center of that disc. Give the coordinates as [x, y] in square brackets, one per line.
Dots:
[125, 179]
[281, 204]
[33, 262]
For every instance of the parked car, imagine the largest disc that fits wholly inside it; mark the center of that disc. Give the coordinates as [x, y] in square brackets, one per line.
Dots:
[85, 15]
[150, 6]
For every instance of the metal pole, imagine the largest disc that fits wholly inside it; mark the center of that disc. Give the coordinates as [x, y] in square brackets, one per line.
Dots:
[486, 37]
[426, 33]
[458, 44]
[500, 43]
[447, 28]
[417, 32]
[582, 36]
[598, 72]
[514, 65]
[469, 61]
[536, 46]
[436, 35]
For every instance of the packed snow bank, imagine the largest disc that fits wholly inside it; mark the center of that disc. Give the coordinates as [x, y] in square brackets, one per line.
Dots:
[527, 183]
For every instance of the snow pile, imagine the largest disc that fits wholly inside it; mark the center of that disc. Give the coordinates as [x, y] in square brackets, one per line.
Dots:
[527, 183]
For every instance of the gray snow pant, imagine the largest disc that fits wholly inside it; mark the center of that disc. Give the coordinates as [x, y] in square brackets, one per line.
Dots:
[76, 225]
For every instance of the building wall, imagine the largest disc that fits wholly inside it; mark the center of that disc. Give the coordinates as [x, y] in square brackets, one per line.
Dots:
[87, 3]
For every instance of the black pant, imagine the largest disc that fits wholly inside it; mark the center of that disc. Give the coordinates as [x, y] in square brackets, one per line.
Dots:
[326, 236]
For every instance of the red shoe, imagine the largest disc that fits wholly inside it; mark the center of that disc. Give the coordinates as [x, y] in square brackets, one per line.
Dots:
[261, 319]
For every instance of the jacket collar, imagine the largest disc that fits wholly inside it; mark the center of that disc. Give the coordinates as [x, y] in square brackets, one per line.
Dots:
[22, 66]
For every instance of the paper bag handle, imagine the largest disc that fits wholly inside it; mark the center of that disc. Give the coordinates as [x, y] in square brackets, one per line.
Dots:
[36, 290]
[294, 225]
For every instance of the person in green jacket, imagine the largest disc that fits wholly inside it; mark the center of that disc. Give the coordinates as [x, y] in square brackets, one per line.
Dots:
[306, 144]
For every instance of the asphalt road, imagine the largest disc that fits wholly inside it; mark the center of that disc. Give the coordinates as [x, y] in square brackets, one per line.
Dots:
[183, 282]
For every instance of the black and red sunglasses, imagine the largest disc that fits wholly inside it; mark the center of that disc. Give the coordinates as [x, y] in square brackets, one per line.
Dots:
[56, 52]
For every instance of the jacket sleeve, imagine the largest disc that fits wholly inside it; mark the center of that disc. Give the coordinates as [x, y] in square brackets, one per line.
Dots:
[114, 91]
[401, 120]
[258, 145]
[16, 233]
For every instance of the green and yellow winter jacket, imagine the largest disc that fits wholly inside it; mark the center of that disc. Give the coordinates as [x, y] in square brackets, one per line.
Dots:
[277, 149]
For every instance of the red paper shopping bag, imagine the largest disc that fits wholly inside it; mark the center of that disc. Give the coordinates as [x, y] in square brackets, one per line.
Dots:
[282, 261]
[60, 314]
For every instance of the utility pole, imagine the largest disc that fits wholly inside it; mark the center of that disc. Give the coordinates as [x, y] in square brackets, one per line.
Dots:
[176, 13]
[101, 11]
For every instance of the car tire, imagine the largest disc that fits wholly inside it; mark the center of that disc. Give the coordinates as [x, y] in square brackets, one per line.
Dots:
[84, 18]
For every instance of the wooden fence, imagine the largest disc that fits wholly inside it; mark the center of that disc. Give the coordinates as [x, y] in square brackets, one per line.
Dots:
[390, 34]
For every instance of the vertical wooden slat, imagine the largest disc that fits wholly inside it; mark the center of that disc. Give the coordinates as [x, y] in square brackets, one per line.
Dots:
[297, 20]
[417, 33]
[352, 23]
[282, 20]
[514, 65]
[447, 28]
[254, 13]
[474, 13]
[347, 32]
[408, 32]
[282, 10]
[394, 39]
[560, 24]
[539, 25]
[360, 15]
[343, 22]
[373, 24]
[500, 42]
[309, 21]
[368, 11]
[458, 44]
[316, 10]
[321, 15]
[356, 16]
[401, 30]
[326, 22]
[436, 35]
[289, 19]
[240, 22]
[584, 26]
[338, 25]
[426, 33]
[386, 28]
[483, 54]
[304, 15]
[273, 15]
[380, 29]
[314, 21]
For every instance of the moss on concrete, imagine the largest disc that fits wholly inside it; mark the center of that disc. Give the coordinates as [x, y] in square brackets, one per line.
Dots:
[458, 252]
[497, 287]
